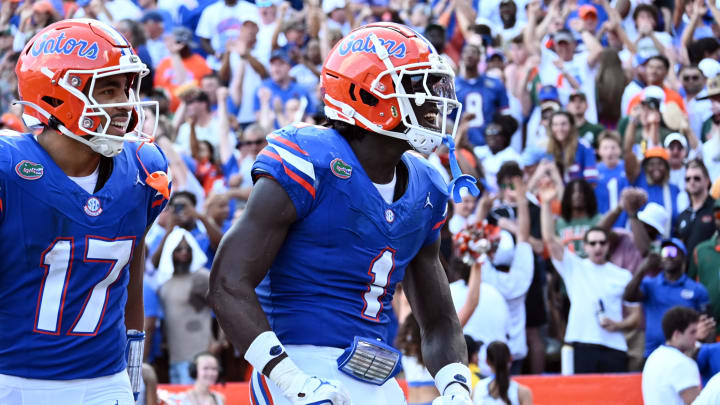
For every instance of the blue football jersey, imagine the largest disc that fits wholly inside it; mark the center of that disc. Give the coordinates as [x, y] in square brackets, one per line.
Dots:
[65, 260]
[482, 96]
[335, 275]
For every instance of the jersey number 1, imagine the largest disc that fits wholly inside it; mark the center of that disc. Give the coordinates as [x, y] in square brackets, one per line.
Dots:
[56, 260]
[381, 268]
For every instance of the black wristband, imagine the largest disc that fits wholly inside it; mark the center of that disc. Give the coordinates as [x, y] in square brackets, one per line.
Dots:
[272, 363]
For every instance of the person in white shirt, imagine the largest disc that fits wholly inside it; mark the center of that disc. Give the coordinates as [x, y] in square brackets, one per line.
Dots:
[220, 23]
[497, 149]
[671, 377]
[595, 288]
[561, 66]
[509, 269]
[711, 147]
[499, 389]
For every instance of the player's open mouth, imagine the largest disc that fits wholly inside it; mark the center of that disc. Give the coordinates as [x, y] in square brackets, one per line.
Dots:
[431, 119]
[119, 126]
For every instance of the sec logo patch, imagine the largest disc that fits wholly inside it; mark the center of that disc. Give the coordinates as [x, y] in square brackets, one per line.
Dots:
[93, 207]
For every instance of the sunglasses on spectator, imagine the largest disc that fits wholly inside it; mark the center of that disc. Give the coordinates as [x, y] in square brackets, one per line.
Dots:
[594, 243]
[669, 251]
[506, 186]
[694, 78]
[692, 178]
[256, 142]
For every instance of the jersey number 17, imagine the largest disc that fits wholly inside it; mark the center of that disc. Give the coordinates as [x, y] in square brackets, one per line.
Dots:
[57, 263]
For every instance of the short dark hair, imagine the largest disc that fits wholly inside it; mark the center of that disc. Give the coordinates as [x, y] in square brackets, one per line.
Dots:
[648, 8]
[610, 135]
[596, 229]
[508, 170]
[662, 58]
[183, 193]
[678, 319]
[699, 164]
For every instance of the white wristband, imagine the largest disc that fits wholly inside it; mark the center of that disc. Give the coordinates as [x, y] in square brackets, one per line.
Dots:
[264, 348]
[452, 373]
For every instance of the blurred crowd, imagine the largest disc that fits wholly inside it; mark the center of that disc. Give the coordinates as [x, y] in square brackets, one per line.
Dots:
[603, 117]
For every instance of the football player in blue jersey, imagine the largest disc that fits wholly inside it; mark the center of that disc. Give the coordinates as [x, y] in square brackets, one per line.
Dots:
[480, 95]
[75, 202]
[340, 214]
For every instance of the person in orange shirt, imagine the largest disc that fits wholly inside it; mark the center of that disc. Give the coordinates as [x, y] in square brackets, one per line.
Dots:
[182, 67]
[656, 69]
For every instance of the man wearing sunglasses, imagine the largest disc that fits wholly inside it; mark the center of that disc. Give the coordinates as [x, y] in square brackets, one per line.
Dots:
[692, 82]
[595, 288]
[695, 224]
[660, 292]
[705, 262]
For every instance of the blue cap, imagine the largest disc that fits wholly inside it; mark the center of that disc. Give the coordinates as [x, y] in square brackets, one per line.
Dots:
[548, 92]
[677, 243]
[281, 53]
[152, 15]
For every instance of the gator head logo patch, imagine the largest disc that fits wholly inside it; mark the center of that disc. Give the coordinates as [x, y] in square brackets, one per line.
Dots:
[340, 168]
[29, 170]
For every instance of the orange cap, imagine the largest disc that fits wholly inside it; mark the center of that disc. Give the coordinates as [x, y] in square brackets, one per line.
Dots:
[657, 151]
[587, 10]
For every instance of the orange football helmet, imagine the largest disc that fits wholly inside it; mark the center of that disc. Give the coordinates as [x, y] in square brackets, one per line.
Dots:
[385, 74]
[57, 72]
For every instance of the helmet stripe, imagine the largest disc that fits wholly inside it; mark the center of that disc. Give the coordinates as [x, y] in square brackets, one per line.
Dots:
[117, 36]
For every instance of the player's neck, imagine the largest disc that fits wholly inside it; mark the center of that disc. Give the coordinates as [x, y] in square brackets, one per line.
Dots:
[379, 156]
[74, 158]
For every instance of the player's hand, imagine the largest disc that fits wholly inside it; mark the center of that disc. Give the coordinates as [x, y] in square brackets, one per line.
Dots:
[306, 390]
[455, 394]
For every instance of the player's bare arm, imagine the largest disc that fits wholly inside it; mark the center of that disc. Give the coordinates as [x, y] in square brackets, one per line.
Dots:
[428, 292]
[243, 259]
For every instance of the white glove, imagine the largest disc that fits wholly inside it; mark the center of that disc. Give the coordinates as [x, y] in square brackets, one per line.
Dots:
[455, 394]
[297, 386]
[305, 390]
[453, 383]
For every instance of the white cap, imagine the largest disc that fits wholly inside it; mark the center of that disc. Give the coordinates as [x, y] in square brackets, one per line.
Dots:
[654, 92]
[675, 136]
[709, 67]
[654, 215]
[329, 6]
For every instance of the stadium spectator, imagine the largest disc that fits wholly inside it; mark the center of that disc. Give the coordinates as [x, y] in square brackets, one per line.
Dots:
[669, 375]
[274, 94]
[510, 270]
[482, 96]
[578, 213]
[220, 23]
[693, 81]
[711, 136]
[499, 386]
[696, 224]
[705, 260]
[182, 68]
[679, 152]
[184, 283]
[197, 121]
[595, 288]
[154, 27]
[573, 155]
[205, 370]
[497, 149]
[658, 293]
[653, 176]
[577, 106]
[611, 174]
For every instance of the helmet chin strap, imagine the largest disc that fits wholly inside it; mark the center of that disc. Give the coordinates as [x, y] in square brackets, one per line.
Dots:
[104, 146]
